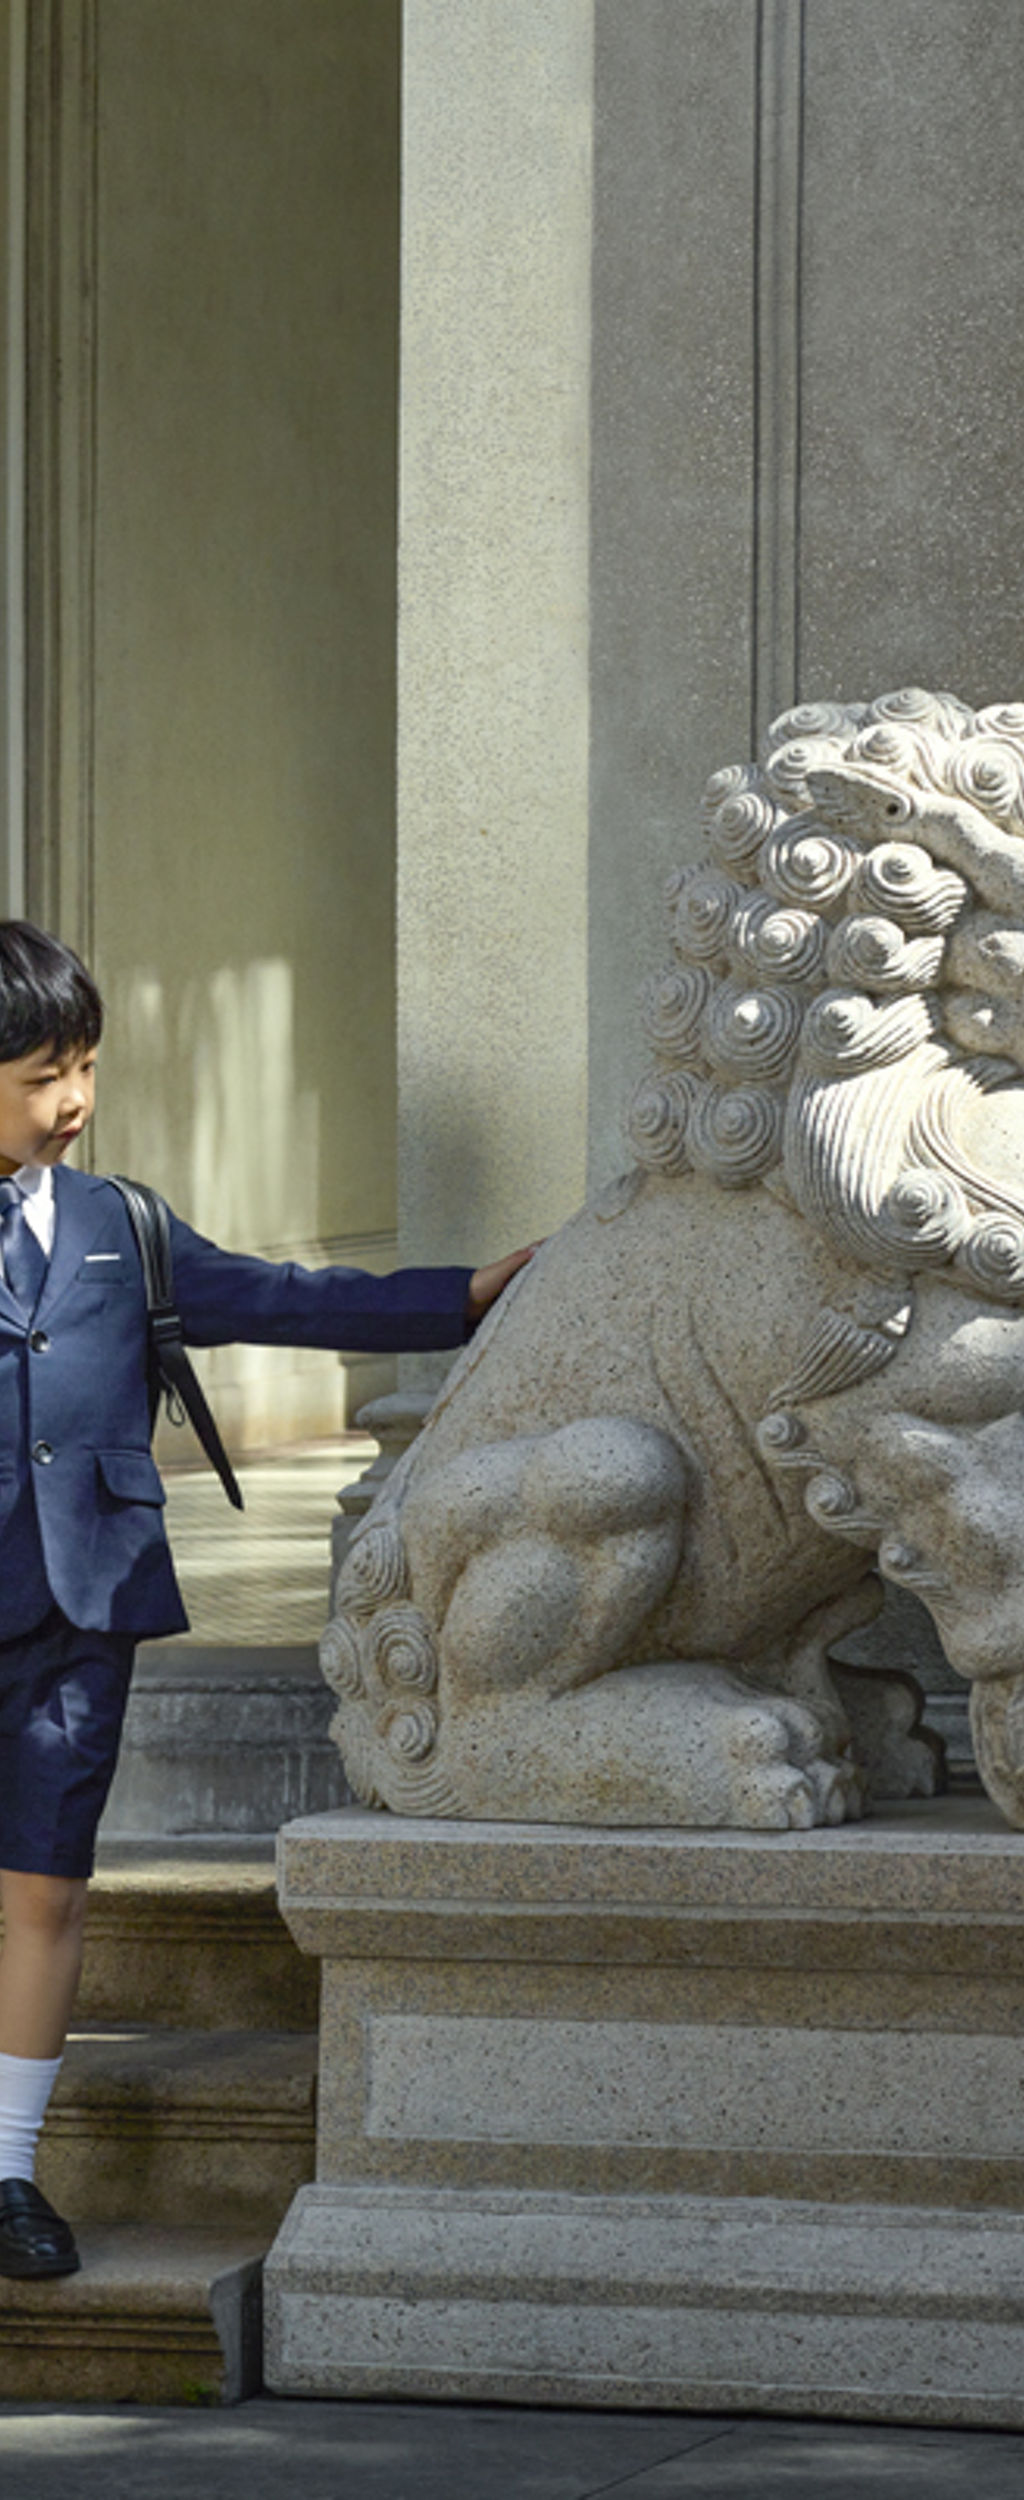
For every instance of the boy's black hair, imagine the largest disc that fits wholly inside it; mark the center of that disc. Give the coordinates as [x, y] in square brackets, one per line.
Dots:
[48, 1001]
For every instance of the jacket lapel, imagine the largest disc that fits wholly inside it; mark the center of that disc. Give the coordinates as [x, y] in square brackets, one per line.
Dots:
[81, 1206]
[11, 1313]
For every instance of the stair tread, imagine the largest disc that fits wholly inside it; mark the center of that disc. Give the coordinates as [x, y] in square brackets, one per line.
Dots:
[159, 2314]
[191, 1935]
[226, 2074]
[157, 2270]
[209, 1848]
[188, 1867]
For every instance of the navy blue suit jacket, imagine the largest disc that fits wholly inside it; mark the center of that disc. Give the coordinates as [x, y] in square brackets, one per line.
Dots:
[81, 1500]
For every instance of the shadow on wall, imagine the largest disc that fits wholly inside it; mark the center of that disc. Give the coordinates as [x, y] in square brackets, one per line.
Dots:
[201, 1095]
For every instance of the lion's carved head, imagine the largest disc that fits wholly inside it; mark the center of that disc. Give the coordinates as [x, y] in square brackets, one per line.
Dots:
[843, 1014]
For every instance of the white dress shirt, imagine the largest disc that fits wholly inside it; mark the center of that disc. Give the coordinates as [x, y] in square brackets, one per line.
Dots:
[35, 1181]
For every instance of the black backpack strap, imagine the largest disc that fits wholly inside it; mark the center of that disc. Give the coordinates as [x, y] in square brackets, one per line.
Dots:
[171, 1365]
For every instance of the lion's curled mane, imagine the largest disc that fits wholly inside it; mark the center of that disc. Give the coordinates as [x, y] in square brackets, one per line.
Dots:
[847, 975]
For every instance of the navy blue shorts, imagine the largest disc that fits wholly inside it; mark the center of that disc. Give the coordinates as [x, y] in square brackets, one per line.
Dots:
[62, 1704]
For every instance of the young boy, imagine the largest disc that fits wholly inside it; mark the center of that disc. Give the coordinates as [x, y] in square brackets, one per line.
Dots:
[85, 1569]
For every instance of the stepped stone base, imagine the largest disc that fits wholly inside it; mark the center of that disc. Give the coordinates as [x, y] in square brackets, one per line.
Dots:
[155, 2317]
[687, 2118]
[704, 2304]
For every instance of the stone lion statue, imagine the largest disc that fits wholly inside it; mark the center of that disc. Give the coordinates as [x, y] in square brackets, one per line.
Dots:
[786, 1347]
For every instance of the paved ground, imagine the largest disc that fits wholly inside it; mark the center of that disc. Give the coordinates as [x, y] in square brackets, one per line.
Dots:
[475, 2452]
[261, 1575]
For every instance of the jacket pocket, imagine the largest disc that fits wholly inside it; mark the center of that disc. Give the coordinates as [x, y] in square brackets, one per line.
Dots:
[130, 1475]
[103, 1274]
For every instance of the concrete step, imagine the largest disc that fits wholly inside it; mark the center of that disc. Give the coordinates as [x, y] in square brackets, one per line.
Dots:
[181, 2126]
[189, 1934]
[155, 2317]
[223, 1740]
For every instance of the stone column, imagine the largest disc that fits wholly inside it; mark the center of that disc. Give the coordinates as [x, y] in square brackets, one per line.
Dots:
[493, 684]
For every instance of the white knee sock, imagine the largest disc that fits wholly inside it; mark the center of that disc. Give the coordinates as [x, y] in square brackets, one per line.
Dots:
[25, 2087]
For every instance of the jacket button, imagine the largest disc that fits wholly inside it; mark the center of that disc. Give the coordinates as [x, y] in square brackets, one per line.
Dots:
[42, 1453]
[39, 1341]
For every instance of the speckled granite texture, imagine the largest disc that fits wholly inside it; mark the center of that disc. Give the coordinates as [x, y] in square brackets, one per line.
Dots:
[686, 2303]
[634, 2050]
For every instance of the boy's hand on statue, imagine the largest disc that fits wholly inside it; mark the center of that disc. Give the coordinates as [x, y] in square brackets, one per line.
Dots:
[487, 1282]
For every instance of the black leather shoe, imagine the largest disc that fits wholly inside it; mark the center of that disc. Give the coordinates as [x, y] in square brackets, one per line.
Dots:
[33, 2239]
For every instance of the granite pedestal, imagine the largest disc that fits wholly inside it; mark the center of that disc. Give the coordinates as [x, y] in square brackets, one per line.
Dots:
[701, 2120]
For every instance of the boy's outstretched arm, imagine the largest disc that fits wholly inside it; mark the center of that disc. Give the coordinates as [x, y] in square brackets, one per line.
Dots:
[228, 1298]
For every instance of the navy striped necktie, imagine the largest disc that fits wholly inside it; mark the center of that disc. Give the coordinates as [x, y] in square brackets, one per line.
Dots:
[24, 1257]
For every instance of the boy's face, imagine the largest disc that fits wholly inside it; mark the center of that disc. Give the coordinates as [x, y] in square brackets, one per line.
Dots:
[45, 1102]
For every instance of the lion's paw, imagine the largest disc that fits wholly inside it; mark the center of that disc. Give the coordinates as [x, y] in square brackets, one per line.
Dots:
[780, 1777]
[899, 1757]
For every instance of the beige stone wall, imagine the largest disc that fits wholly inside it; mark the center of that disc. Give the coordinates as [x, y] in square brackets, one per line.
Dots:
[12, 446]
[244, 607]
[216, 633]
